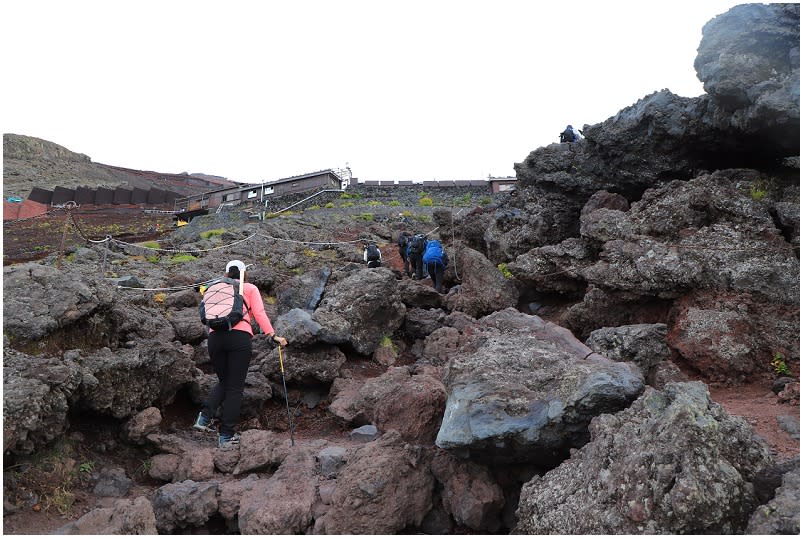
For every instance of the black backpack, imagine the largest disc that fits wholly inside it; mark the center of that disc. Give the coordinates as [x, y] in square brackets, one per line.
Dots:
[372, 253]
[417, 244]
[222, 306]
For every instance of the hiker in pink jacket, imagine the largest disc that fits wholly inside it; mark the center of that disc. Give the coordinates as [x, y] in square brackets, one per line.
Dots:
[230, 352]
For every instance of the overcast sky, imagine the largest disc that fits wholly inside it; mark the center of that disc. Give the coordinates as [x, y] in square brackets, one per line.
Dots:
[261, 90]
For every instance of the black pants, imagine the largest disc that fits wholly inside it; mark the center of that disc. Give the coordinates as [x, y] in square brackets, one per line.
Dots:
[404, 255]
[436, 271]
[230, 353]
[416, 265]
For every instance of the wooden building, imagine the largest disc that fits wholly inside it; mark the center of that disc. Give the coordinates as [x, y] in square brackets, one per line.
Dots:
[259, 193]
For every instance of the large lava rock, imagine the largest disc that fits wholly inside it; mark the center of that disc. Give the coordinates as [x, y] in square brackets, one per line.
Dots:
[673, 463]
[39, 299]
[483, 288]
[125, 381]
[386, 486]
[361, 309]
[781, 515]
[749, 62]
[36, 396]
[524, 390]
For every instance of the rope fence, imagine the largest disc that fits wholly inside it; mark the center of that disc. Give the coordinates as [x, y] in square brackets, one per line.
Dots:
[110, 240]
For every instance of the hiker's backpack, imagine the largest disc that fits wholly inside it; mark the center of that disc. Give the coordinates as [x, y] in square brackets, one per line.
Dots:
[433, 252]
[373, 254]
[416, 245]
[222, 306]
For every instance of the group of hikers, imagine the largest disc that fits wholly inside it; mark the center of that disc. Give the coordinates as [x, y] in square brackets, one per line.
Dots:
[422, 257]
[229, 306]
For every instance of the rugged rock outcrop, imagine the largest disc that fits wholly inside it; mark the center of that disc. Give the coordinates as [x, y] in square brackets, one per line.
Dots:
[386, 487]
[674, 462]
[36, 397]
[781, 515]
[524, 390]
[483, 287]
[353, 307]
[124, 517]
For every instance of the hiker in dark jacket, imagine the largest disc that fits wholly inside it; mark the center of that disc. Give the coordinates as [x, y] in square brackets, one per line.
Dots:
[402, 246]
[416, 249]
[435, 259]
[570, 134]
[230, 353]
[372, 255]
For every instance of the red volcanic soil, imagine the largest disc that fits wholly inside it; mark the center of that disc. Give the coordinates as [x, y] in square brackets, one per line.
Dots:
[37, 237]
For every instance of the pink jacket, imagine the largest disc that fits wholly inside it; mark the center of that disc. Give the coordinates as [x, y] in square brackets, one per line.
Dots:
[252, 297]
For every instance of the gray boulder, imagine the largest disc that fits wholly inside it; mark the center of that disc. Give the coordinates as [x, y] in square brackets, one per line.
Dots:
[524, 390]
[297, 327]
[187, 326]
[781, 515]
[124, 517]
[421, 322]
[40, 299]
[125, 381]
[643, 344]
[749, 63]
[305, 364]
[184, 505]
[414, 294]
[302, 291]
[360, 310]
[673, 463]
[36, 397]
[483, 288]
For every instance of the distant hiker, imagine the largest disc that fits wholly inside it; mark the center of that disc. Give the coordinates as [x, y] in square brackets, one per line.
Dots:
[570, 134]
[372, 255]
[230, 349]
[402, 245]
[435, 259]
[416, 249]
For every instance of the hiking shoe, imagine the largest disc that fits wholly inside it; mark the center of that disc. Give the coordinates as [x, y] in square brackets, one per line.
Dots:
[203, 423]
[224, 441]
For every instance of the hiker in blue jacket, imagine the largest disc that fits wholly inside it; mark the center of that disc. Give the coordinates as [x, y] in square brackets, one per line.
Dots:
[435, 259]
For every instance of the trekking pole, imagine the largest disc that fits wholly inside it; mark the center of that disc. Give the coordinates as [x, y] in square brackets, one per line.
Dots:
[286, 393]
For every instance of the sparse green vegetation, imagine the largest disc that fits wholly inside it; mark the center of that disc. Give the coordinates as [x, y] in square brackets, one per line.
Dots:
[329, 205]
[485, 200]
[368, 217]
[779, 365]
[345, 196]
[347, 204]
[387, 342]
[151, 244]
[426, 201]
[394, 203]
[153, 259]
[208, 234]
[313, 207]
[182, 258]
[758, 190]
[423, 194]
[310, 253]
[159, 297]
[423, 218]
[504, 269]
[374, 203]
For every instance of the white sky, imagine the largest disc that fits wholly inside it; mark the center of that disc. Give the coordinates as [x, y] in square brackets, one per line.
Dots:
[261, 90]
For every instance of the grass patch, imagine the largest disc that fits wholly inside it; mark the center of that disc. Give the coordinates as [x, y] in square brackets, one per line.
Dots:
[153, 259]
[426, 201]
[182, 258]
[368, 217]
[394, 203]
[313, 207]
[208, 234]
[485, 201]
[347, 204]
[151, 244]
[374, 203]
[330, 205]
